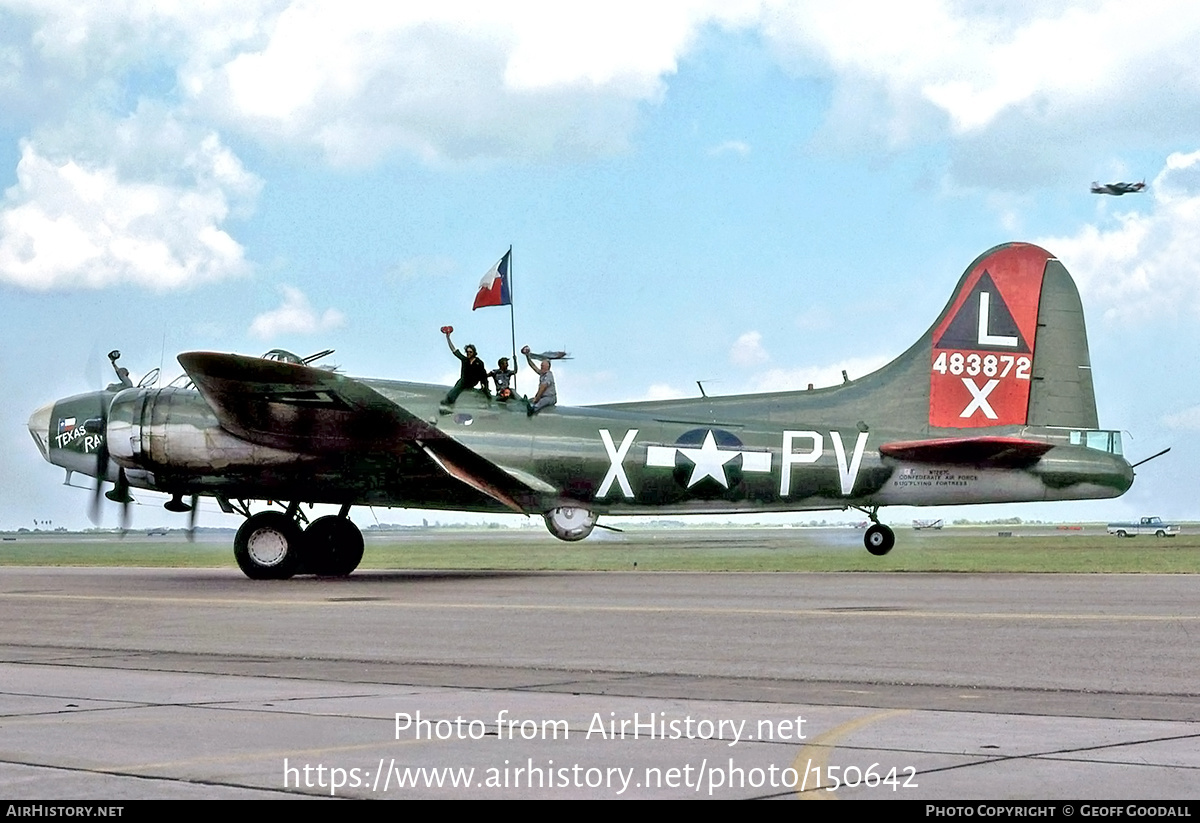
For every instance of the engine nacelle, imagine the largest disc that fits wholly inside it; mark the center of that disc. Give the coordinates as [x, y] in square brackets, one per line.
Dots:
[174, 430]
[570, 523]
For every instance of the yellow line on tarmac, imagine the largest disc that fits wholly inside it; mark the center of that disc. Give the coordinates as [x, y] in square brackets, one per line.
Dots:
[814, 756]
[252, 756]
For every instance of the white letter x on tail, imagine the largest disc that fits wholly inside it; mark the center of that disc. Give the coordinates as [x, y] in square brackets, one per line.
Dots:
[979, 398]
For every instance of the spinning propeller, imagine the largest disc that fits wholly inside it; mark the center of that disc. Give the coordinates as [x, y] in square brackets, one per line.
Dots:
[98, 426]
[120, 491]
[176, 504]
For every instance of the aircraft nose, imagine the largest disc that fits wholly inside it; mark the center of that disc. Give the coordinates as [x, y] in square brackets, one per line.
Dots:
[39, 427]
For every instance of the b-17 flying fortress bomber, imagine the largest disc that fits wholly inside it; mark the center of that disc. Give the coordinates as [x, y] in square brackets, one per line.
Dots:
[993, 404]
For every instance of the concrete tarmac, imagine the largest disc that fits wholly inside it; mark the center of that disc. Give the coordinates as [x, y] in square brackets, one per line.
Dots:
[169, 683]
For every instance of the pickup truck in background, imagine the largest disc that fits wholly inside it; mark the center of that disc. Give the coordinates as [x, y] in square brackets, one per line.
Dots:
[1147, 525]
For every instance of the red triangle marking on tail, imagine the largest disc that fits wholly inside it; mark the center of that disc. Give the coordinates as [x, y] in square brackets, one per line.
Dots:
[983, 348]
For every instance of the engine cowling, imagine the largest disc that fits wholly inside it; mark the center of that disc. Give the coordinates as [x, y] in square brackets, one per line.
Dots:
[174, 429]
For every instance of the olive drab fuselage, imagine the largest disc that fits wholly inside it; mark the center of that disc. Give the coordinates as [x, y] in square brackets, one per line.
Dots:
[993, 404]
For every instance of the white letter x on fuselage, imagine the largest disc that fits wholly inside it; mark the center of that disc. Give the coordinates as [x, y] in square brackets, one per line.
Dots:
[616, 471]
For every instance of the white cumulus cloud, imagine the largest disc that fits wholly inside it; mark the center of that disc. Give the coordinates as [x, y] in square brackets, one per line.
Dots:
[773, 380]
[1026, 92]
[989, 57]
[1020, 89]
[454, 81]
[69, 223]
[1187, 419]
[748, 351]
[663, 391]
[295, 315]
[1142, 265]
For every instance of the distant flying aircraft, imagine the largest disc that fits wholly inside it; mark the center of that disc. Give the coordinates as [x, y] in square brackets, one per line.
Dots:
[993, 404]
[1117, 189]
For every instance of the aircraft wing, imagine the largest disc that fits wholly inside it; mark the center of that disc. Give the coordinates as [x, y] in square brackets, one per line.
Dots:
[1010, 452]
[313, 411]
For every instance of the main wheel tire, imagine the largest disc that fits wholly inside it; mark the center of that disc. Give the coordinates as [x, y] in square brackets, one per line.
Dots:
[269, 546]
[879, 539]
[333, 546]
[1160, 533]
[1121, 533]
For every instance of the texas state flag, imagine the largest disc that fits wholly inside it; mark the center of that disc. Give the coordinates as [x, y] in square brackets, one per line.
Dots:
[494, 287]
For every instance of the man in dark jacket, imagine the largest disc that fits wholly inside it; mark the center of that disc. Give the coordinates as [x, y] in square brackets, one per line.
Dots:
[474, 373]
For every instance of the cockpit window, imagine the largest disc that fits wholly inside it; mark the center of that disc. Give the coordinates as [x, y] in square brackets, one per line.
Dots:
[1104, 441]
[283, 356]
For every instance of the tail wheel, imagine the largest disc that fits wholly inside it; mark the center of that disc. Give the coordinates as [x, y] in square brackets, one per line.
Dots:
[269, 546]
[879, 539]
[333, 546]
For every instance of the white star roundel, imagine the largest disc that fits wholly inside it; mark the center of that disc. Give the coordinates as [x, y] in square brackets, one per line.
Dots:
[708, 460]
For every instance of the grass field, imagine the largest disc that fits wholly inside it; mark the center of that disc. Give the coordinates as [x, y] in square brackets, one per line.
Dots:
[970, 549]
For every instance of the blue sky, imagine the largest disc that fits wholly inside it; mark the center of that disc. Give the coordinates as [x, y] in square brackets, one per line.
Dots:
[757, 194]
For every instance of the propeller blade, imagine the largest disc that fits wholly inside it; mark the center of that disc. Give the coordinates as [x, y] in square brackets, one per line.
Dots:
[120, 493]
[191, 531]
[101, 470]
[94, 509]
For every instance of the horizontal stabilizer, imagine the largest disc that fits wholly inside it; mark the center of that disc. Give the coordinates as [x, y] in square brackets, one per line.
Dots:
[973, 451]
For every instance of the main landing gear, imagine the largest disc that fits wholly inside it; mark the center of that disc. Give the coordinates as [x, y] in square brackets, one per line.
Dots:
[879, 538]
[271, 545]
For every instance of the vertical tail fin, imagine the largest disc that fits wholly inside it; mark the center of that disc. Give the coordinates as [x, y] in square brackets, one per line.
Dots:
[1062, 393]
[1010, 349]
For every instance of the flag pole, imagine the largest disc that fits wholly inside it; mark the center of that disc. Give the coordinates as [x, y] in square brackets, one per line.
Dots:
[512, 318]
